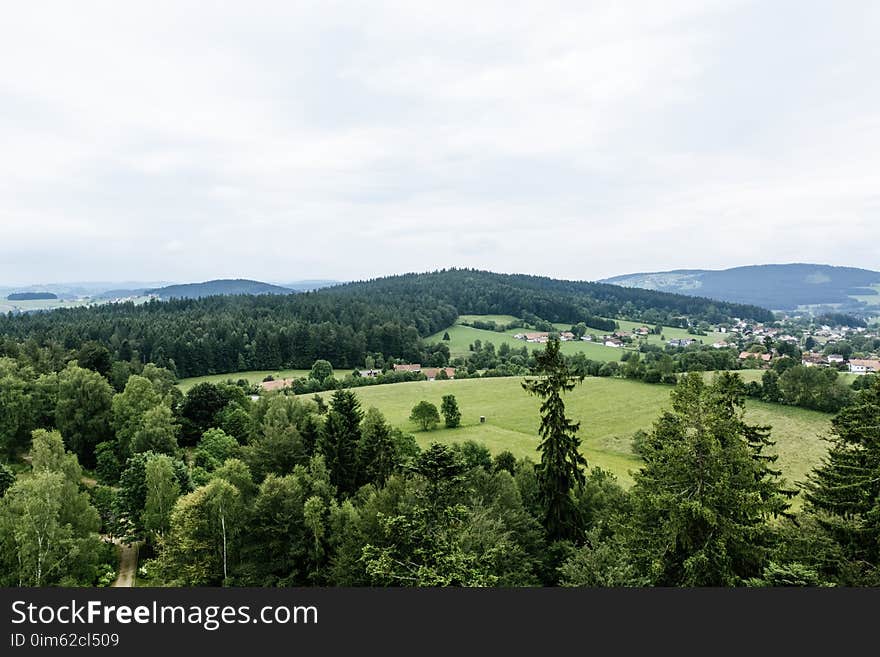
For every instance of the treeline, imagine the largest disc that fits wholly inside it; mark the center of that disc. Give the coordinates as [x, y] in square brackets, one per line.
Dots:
[385, 318]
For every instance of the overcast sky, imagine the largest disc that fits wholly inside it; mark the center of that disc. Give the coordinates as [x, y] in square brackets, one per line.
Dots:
[291, 140]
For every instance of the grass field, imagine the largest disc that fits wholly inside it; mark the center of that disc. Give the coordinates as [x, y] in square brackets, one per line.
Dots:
[610, 411]
[870, 299]
[254, 376]
[461, 337]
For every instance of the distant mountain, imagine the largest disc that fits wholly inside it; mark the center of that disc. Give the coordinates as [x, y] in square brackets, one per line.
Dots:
[218, 287]
[787, 287]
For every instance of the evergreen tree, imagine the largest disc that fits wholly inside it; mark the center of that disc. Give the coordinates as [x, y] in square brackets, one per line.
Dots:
[340, 438]
[561, 470]
[703, 501]
[376, 453]
[844, 492]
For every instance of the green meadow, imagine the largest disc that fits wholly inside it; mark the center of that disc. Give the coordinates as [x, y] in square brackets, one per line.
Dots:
[461, 337]
[253, 376]
[610, 411]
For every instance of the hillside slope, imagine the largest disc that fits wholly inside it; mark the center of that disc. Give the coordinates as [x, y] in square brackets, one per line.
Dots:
[777, 287]
[220, 287]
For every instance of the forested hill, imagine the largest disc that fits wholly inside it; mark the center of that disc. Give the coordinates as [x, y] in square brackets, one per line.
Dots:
[342, 324]
[779, 287]
[218, 287]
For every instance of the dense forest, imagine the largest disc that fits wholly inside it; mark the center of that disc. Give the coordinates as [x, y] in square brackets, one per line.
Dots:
[385, 318]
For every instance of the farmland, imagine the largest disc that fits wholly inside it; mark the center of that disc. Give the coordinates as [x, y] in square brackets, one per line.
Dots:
[461, 337]
[610, 411]
[253, 376]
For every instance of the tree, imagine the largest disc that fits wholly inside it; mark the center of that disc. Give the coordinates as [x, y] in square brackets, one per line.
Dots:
[94, 356]
[703, 501]
[7, 478]
[844, 492]
[446, 335]
[162, 491]
[131, 494]
[214, 448]
[158, 432]
[83, 411]
[426, 415]
[16, 406]
[561, 470]
[376, 453]
[449, 409]
[339, 440]
[321, 370]
[203, 538]
[129, 408]
[199, 410]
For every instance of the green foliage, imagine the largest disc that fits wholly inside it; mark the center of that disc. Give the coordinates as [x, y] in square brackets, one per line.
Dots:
[560, 472]
[48, 528]
[339, 440]
[83, 411]
[425, 415]
[321, 370]
[162, 491]
[449, 409]
[377, 455]
[129, 409]
[157, 433]
[702, 503]
[844, 492]
[107, 467]
[214, 448]
[7, 478]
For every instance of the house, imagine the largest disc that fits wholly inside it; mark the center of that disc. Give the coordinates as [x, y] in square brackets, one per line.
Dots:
[537, 337]
[835, 358]
[407, 368]
[432, 372]
[721, 344]
[684, 342]
[812, 359]
[642, 330]
[743, 355]
[565, 336]
[863, 366]
[587, 338]
[613, 342]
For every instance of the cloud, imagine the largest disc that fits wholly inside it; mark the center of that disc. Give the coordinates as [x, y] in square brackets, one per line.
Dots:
[308, 140]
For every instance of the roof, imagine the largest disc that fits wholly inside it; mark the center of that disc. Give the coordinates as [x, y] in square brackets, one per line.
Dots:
[277, 384]
[408, 368]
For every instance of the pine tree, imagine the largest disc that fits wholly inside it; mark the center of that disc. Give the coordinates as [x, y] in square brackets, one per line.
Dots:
[376, 454]
[562, 465]
[844, 492]
[340, 438]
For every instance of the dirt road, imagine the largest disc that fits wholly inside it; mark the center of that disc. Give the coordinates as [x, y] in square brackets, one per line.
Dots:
[128, 559]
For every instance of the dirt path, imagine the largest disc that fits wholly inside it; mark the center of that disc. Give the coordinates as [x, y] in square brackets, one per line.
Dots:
[128, 559]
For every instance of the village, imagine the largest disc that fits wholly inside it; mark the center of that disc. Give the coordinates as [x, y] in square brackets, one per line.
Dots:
[757, 344]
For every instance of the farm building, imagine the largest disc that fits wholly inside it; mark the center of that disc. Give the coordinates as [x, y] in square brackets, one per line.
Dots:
[432, 372]
[863, 366]
[407, 368]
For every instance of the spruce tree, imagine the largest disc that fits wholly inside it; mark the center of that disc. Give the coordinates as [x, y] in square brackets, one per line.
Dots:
[561, 470]
[703, 501]
[339, 440]
[844, 492]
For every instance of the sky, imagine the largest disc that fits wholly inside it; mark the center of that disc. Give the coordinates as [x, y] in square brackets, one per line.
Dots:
[184, 141]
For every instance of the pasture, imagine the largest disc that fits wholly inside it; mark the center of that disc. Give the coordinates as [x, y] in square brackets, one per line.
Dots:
[461, 337]
[610, 411]
[253, 376]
